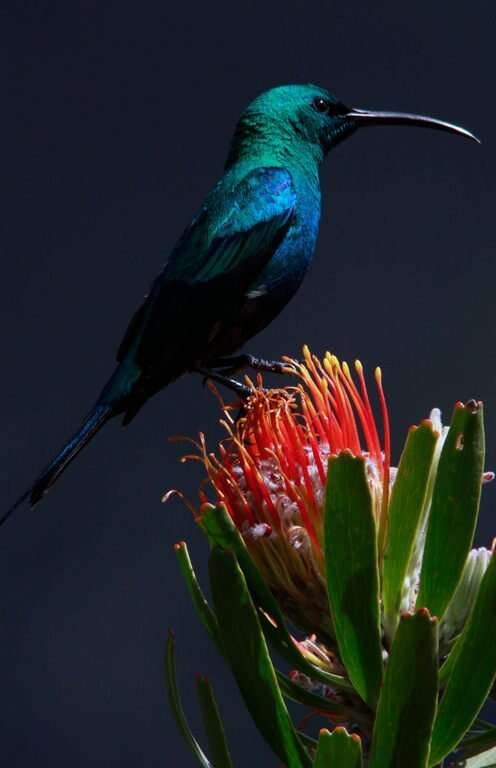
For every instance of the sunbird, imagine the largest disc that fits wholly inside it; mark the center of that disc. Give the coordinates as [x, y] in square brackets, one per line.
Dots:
[238, 263]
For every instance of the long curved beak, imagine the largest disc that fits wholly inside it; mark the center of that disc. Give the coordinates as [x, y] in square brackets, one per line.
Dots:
[364, 117]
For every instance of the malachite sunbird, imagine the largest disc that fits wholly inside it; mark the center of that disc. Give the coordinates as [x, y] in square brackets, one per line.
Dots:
[240, 260]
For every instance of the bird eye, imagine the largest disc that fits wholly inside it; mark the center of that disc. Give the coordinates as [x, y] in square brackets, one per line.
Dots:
[321, 105]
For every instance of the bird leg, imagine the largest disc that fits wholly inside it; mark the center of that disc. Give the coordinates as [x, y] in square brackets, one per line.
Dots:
[235, 386]
[236, 363]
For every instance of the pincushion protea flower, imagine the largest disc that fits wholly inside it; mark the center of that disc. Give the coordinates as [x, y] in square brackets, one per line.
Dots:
[311, 523]
[271, 473]
[274, 472]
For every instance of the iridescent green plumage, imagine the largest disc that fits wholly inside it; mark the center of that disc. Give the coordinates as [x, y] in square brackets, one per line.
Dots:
[240, 260]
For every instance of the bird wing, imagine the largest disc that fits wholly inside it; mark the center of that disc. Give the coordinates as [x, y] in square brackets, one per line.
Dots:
[219, 255]
[235, 223]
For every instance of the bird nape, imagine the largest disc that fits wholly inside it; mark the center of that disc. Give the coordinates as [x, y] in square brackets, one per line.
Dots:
[239, 261]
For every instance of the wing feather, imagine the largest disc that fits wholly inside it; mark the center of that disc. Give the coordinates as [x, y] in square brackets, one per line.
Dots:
[221, 253]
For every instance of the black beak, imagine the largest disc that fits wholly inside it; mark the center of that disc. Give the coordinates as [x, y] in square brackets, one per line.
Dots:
[364, 117]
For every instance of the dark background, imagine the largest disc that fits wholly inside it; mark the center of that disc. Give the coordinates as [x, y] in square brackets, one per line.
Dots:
[115, 121]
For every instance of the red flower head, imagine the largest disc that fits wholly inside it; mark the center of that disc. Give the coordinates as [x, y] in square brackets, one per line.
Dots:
[270, 473]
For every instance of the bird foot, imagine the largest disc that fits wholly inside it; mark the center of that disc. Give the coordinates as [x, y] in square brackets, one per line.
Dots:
[229, 365]
[235, 386]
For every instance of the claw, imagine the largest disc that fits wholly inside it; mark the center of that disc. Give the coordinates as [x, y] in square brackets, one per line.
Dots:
[230, 365]
[235, 386]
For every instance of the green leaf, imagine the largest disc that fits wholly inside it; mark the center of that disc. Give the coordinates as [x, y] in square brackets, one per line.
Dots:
[339, 749]
[200, 603]
[407, 703]
[283, 643]
[463, 600]
[352, 573]
[175, 703]
[247, 652]
[307, 740]
[222, 533]
[454, 509]
[406, 509]
[213, 724]
[447, 666]
[295, 692]
[473, 671]
[209, 620]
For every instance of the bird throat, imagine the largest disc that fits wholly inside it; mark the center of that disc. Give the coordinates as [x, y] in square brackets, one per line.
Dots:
[274, 143]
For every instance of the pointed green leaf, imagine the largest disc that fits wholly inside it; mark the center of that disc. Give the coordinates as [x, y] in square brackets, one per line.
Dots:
[247, 652]
[200, 603]
[463, 600]
[447, 666]
[454, 509]
[406, 509]
[352, 573]
[407, 703]
[339, 748]
[288, 688]
[175, 703]
[303, 661]
[222, 532]
[473, 671]
[213, 724]
[295, 692]
[307, 740]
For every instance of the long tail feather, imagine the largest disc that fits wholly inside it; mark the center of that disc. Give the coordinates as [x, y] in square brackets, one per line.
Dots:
[95, 420]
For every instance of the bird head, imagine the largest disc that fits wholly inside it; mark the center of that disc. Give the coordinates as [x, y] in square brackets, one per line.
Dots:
[312, 117]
